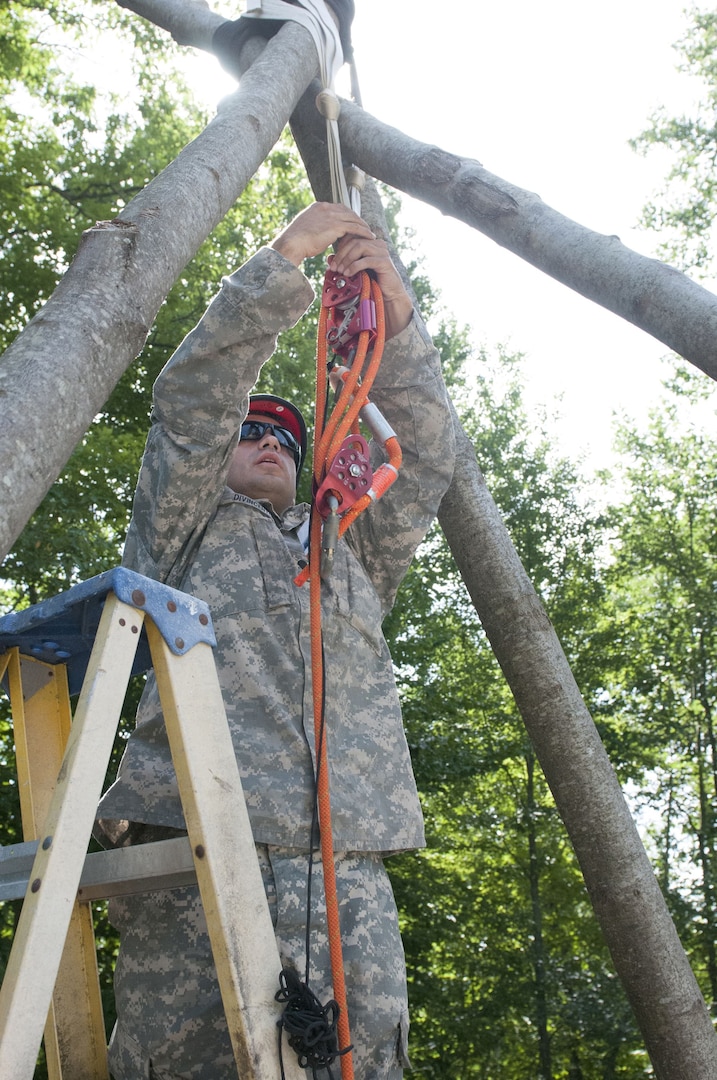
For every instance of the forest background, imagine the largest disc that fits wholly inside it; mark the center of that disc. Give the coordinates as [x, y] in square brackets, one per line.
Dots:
[508, 975]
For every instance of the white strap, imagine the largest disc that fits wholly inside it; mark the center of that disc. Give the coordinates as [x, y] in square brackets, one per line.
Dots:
[316, 18]
[314, 15]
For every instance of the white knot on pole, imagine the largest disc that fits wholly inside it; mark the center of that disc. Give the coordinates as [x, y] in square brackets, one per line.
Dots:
[328, 104]
[356, 177]
[356, 182]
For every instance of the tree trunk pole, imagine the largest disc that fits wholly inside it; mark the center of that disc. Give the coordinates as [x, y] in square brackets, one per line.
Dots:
[630, 908]
[652, 295]
[58, 373]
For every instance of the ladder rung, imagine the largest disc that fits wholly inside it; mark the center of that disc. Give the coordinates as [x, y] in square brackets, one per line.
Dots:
[164, 864]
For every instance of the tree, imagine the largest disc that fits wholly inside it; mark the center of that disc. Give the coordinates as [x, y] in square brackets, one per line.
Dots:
[684, 211]
[662, 680]
[671, 529]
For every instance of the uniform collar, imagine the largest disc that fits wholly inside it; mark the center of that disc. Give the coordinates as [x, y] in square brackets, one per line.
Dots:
[290, 519]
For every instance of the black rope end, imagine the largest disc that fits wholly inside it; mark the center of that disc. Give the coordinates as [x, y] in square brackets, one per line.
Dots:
[310, 1026]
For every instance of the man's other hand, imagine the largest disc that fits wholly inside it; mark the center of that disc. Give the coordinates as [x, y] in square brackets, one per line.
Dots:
[357, 249]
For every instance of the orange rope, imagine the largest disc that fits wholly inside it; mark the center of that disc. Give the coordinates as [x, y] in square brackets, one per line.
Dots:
[324, 804]
[328, 437]
[338, 427]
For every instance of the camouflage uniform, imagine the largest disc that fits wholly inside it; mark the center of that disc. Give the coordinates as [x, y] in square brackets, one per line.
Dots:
[191, 531]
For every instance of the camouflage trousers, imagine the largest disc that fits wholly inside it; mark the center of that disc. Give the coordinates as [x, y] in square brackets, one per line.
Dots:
[171, 1023]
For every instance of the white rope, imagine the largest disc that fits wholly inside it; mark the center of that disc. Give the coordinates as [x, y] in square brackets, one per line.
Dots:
[317, 19]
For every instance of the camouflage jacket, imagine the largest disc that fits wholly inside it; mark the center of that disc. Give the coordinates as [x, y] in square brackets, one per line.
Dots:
[191, 531]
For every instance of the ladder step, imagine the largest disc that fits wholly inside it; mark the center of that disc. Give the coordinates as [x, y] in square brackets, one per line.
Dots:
[164, 864]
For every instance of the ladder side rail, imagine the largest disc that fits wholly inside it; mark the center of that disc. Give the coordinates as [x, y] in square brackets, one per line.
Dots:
[75, 1040]
[36, 954]
[227, 868]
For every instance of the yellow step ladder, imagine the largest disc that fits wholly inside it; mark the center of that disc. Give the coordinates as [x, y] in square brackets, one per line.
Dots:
[92, 639]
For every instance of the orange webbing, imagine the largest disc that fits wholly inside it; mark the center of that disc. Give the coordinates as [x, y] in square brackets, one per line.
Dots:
[328, 436]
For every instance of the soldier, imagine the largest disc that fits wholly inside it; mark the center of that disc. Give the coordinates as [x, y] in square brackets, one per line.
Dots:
[215, 515]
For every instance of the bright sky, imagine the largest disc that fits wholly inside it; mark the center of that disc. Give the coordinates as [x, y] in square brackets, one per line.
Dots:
[545, 96]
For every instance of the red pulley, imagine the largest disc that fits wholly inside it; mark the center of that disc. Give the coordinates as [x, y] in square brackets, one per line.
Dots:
[348, 315]
[349, 477]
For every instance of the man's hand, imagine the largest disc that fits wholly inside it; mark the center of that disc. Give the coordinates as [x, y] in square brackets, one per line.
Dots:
[356, 253]
[322, 224]
[316, 228]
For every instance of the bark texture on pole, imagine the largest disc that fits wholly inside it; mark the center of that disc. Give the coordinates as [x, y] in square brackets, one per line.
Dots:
[57, 374]
[632, 913]
[190, 22]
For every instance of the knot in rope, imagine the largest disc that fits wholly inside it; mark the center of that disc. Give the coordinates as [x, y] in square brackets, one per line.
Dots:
[328, 104]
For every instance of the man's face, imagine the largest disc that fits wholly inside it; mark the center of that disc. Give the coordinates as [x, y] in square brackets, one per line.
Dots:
[264, 469]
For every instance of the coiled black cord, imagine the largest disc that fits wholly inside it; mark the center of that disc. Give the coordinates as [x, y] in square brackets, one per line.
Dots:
[310, 1026]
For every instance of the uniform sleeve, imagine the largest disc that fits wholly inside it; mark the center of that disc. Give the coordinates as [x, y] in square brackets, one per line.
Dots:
[200, 400]
[410, 392]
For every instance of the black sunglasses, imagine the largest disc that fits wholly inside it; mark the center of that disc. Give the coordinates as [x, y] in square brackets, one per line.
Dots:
[256, 429]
